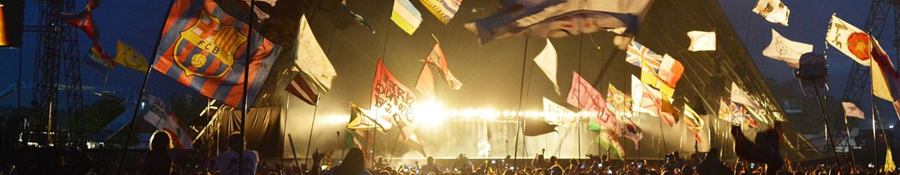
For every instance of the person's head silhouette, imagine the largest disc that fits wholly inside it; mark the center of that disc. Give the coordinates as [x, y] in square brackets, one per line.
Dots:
[160, 141]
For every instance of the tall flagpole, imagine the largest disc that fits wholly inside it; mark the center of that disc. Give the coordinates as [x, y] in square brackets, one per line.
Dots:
[519, 120]
[244, 96]
[311, 128]
[137, 105]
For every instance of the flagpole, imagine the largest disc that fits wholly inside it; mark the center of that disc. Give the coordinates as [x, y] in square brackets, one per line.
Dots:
[311, 128]
[519, 120]
[825, 119]
[244, 94]
[137, 105]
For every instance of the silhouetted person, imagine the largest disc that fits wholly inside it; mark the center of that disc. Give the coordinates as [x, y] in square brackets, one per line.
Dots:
[228, 162]
[158, 161]
[353, 164]
[712, 165]
[430, 167]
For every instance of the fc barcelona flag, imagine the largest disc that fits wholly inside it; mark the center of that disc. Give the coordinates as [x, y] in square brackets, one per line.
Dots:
[204, 48]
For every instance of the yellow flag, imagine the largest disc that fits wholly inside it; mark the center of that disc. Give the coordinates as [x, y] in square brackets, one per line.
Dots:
[130, 58]
[889, 166]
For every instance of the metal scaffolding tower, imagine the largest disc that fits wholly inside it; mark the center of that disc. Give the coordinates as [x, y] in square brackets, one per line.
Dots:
[56, 52]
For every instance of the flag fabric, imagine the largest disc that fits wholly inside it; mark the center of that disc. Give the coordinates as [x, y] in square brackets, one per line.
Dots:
[694, 122]
[632, 132]
[84, 21]
[885, 79]
[668, 113]
[736, 114]
[608, 142]
[763, 149]
[559, 18]
[773, 10]
[547, 61]
[311, 60]
[443, 10]
[356, 17]
[850, 40]
[650, 76]
[618, 102]
[646, 99]
[425, 83]
[277, 22]
[702, 41]
[585, 97]
[98, 60]
[850, 110]
[394, 99]
[637, 53]
[889, 166]
[786, 50]
[362, 119]
[813, 73]
[670, 71]
[537, 126]
[300, 87]
[160, 119]
[204, 48]
[406, 16]
[558, 114]
[738, 95]
[436, 58]
[128, 57]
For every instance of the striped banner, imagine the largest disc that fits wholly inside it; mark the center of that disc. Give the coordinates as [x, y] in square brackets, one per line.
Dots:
[406, 16]
[443, 10]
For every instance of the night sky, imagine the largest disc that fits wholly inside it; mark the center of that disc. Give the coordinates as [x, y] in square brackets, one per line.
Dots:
[137, 23]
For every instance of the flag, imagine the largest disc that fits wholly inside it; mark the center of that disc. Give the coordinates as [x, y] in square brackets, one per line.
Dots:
[558, 114]
[406, 16]
[850, 110]
[702, 41]
[650, 76]
[443, 10]
[559, 18]
[436, 58]
[277, 22]
[362, 119]
[850, 40]
[608, 142]
[885, 79]
[537, 126]
[773, 10]
[129, 57]
[300, 87]
[813, 73]
[668, 113]
[204, 48]
[786, 50]
[585, 97]
[312, 60]
[546, 60]
[694, 122]
[670, 71]
[356, 17]
[160, 119]
[394, 99]
[632, 132]
[763, 149]
[738, 95]
[618, 102]
[646, 99]
[98, 60]
[84, 21]
[889, 166]
[425, 83]
[637, 53]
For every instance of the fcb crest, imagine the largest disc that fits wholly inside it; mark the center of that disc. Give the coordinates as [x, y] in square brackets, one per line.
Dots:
[207, 48]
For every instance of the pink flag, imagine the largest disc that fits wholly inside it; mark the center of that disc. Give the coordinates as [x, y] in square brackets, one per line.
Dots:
[585, 97]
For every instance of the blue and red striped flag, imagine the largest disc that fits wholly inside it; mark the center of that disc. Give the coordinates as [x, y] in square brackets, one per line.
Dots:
[204, 48]
[98, 60]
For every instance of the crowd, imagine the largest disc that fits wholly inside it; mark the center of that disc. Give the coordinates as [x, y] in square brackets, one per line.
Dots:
[159, 160]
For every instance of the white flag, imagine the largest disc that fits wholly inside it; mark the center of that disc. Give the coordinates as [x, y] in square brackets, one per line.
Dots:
[773, 10]
[546, 60]
[739, 96]
[702, 41]
[850, 110]
[850, 40]
[312, 60]
[786, 50]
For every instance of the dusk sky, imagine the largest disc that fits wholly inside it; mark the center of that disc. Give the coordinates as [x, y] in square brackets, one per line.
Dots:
[138, 24]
